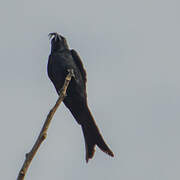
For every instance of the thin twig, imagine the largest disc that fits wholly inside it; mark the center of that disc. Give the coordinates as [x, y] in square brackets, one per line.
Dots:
[43, 133]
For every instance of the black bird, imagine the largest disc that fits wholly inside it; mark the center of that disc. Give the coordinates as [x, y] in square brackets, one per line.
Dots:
[60, 60]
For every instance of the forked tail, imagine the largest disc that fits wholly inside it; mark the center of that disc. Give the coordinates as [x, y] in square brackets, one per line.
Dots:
[93, 137]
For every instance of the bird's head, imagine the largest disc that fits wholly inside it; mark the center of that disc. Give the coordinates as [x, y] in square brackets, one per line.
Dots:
[58, 42]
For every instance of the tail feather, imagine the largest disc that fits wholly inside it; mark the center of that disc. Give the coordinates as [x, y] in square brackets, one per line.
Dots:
[90, 130]
[93, 137]
[89, 144]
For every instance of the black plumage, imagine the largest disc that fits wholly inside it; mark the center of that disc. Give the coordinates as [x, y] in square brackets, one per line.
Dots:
[60, 60]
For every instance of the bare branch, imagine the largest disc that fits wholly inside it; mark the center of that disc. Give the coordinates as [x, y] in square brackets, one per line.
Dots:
[43, 133]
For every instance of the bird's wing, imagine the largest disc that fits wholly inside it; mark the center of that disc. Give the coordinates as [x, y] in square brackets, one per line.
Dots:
[49, 67]
[79, 64]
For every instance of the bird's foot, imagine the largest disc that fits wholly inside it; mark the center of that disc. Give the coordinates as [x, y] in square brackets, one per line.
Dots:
[71, 71]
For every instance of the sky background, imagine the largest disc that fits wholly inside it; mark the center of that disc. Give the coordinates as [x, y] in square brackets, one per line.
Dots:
[131, 51]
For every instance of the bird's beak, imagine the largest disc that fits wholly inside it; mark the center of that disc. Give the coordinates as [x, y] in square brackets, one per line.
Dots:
[54, 35]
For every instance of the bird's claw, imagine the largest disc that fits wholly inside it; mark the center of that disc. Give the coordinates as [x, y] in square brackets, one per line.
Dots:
[71, 71]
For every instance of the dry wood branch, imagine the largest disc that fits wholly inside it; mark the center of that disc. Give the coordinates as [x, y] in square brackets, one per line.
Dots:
[43, 133]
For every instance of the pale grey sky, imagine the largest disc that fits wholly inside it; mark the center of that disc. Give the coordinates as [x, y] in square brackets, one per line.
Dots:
[130, 50]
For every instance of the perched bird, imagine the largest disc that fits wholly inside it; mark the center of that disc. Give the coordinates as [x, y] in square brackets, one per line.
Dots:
[60, 60]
